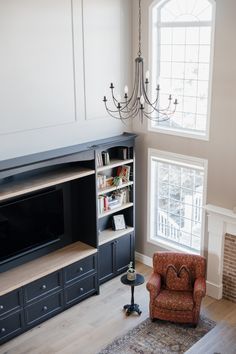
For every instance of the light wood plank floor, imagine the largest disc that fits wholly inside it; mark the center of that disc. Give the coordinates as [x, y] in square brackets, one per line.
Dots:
[92, 324]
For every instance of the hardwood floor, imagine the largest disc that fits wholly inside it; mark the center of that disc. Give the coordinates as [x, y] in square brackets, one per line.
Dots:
[90, 325]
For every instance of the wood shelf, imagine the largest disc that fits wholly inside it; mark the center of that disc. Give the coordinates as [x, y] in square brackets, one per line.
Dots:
[114, 188]
[114, 163]
[109, 234]
[30, 271]
[42, 180]
[112, 211]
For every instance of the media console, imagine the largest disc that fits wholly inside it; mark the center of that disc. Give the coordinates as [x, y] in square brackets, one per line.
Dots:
[57, 209]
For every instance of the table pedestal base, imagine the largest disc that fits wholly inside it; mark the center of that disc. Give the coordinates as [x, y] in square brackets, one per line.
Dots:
[132, 308]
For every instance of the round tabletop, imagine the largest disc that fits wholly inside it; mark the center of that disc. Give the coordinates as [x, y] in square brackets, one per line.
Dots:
[138, 281]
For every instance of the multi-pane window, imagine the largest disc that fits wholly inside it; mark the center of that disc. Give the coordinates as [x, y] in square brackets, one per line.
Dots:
[181, 61]
[176, 200]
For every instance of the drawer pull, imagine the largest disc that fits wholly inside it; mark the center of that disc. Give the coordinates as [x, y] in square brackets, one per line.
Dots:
[81, 269]
[81, 289]
[44, 286]
[1, 307]
[3, 330]
[45, 308]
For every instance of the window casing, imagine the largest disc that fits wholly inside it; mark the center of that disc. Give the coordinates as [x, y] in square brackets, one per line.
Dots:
[177, 193]
[181, 52]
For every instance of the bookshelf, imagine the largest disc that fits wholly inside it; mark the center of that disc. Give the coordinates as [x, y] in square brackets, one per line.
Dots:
[115, 175]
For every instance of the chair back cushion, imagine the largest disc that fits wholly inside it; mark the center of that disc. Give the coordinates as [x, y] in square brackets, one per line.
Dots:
[195, 265]
[178, 279]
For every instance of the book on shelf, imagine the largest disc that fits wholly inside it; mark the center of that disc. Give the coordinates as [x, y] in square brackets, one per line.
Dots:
[99, 159]
[105, 158]
[100, 204]
[103, 204]
[104, 182]
[101, 181]
[122, 153]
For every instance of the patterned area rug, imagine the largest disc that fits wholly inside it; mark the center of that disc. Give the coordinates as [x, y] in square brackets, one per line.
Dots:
[159, 337]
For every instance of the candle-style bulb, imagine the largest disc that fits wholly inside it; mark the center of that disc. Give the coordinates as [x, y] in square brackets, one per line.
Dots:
[147, 74]
[142, 100]
[126, 89]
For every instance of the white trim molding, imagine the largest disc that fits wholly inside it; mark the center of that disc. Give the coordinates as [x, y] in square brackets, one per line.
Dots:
[143, 259]
[220, 222]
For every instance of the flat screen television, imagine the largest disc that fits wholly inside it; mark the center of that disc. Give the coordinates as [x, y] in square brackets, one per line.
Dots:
[30, 223]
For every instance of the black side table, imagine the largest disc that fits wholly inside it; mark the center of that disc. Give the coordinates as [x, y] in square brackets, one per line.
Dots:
[138, 281]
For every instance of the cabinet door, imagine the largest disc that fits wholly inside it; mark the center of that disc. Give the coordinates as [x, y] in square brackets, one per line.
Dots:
[106, 262]
[124, 252]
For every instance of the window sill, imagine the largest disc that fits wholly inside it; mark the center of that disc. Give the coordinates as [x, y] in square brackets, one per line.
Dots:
[180, 133]
[170, 247]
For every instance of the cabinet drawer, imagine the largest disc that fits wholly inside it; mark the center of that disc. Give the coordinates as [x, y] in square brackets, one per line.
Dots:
[42, 286]
[81, 268]
[81, 289]
[9, 302]
[11, 325]
[44, 308]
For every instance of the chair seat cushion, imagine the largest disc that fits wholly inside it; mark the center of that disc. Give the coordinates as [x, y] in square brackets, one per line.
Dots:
[175, 300]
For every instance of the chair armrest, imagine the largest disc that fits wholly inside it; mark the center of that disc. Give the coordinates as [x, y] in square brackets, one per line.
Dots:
[154, 285]
[199, 290]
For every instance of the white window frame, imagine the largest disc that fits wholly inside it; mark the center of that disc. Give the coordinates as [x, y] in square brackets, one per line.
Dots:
[171, 131]
[182, 160]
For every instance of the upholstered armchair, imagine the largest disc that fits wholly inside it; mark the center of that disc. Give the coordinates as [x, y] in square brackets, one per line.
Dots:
[177, 286]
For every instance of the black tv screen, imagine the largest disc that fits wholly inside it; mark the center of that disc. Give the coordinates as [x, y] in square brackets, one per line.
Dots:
[30, 223]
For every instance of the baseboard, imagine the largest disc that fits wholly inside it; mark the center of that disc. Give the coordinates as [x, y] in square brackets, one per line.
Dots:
[143, 259]
[214, 290]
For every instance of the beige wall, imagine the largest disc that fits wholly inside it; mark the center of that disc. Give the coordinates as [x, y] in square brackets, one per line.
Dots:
[220, 150]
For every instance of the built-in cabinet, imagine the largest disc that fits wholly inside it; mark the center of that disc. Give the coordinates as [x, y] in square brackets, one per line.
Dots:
[97, 181]
[114, 256]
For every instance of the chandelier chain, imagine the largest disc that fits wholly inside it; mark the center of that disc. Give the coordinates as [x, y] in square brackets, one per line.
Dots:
[139, 29]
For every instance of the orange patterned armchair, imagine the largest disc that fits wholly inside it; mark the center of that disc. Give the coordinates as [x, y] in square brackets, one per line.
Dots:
[177, 286]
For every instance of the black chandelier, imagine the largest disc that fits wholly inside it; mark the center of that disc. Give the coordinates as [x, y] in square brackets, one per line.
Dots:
[138, 103]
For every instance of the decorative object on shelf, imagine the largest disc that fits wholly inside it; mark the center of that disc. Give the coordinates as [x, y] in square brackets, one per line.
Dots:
[131, 272]
[124, 173]
[138, 103]
[118, 222]
[117, 181]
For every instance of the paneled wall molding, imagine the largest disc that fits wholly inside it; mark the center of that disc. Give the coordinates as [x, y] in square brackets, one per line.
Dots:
[58, 58]
[220, 222]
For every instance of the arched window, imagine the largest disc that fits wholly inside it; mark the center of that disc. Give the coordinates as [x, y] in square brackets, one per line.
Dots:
[181, 61]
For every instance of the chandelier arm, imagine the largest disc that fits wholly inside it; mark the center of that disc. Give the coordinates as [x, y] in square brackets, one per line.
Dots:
[116, 117]
[165, 115]
[112, 112]
[132, 114]
[163, 118]
[144, 90]
[125, 104]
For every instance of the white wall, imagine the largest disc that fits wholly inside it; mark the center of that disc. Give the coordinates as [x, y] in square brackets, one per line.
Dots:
[57, 59]
[220, 150]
